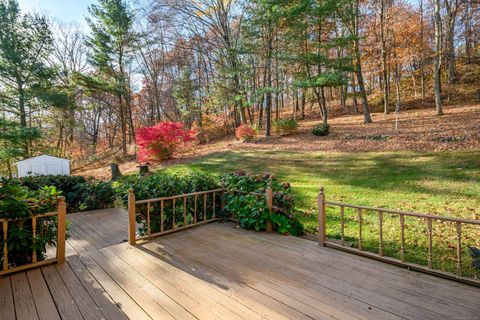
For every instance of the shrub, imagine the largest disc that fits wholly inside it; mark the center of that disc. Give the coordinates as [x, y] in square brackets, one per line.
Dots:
[161, 141]
[285, 127]
[17, 201]
[213, 127]
[251, 210]
[80, 193]
[245, 132]
[161, 184]
[321, 130]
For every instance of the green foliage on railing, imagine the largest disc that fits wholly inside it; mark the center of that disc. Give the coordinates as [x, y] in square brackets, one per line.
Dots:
[20, 203]
[251, 209]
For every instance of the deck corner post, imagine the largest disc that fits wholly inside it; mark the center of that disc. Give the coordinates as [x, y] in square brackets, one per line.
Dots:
[61, 229]
[131, 217]
[321, 218]
[269, 199]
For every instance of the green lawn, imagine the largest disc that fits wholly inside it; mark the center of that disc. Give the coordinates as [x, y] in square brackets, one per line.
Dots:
[444, 183]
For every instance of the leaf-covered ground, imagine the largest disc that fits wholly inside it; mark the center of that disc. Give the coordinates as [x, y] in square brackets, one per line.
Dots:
[415, 130]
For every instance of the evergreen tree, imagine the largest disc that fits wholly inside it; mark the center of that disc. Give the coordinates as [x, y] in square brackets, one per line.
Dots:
[112, 44]
[12, 141]
[25, 78]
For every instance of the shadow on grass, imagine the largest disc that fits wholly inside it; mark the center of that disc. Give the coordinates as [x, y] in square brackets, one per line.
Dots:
[399, 172]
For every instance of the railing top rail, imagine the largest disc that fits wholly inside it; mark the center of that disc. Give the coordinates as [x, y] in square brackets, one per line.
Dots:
[178, 196]
[412, 214]
[37, 216]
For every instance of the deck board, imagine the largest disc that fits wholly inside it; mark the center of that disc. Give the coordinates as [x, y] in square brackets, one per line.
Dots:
[22, 295]
[217, 271]
[44, 303]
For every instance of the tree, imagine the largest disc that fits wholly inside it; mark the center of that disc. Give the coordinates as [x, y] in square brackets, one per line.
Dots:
[218, 24]
[112, 43]
[25, 78]
[351, 19]
[69, 58]
[437, 19]
[261, 27]
[12, 141]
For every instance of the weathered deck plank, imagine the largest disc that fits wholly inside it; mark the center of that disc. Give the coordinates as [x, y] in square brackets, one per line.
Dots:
[22, 295]
[46, 308]
[6, 300]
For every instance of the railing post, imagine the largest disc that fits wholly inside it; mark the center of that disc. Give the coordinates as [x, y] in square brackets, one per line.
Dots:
[269, 199]
[61, 229]
[131, 217]
[321, 218]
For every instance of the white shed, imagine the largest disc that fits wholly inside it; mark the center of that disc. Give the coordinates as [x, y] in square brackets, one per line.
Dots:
[43, 165]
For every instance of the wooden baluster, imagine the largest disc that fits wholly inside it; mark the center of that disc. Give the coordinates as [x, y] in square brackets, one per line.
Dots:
[213, 205]
[205, 207]
[360, 219]
[173, 215]
[195, 209]
[430, 242]
[148, 219]
[184, 211]
[34, 237]
[380, 236]
[132, 221]
[5, 247]
[402, 238]
[161, 216]
[459, 249]
[342, 224]
[322, 237]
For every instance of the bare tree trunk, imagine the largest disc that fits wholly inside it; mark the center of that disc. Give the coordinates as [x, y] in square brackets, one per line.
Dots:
[385, 79]
[422, 57]
[438, 58]
[303, 103]
[358, 65]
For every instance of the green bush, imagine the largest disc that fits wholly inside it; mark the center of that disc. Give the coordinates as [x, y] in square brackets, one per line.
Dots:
[285, 127]
[321, 130]
[16, 202]
[82, 194]
[251, 210]
[161, 184]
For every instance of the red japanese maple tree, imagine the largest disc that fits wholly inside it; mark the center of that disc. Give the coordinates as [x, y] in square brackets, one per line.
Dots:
[162, 140]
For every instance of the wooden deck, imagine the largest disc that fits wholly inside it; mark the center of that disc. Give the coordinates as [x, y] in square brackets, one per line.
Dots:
[218, 271]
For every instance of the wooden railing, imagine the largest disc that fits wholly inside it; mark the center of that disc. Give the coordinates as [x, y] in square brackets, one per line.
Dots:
[36, 225]
[170, 202]
[381, 212]
[161, 204]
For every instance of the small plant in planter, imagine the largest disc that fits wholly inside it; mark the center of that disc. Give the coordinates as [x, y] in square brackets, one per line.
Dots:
[321, 130]
[245, 133]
